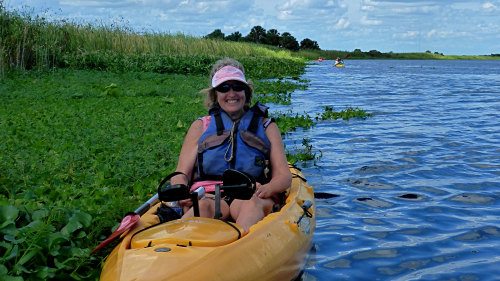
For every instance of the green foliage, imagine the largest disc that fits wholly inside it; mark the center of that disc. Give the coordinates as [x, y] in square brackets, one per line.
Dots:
[344, 114]
[257, 35]
[79, 150]
[291, 123]
[309, 44]
[303, 154]
[40, 242]
[216, 34]
[271, 37]
[289, 42]
[278, 91]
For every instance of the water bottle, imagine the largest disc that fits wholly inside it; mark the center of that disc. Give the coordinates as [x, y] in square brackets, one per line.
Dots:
[176, 207]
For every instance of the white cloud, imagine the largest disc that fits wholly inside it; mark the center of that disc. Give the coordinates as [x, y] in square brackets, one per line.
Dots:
[412, 9]
[445, 34]
[341, 24]
[367, 8]
[407, 34]
[285, 15]
[365, 21]
[490, 7]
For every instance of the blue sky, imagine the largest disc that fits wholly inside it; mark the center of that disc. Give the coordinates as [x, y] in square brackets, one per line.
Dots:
[466, 27]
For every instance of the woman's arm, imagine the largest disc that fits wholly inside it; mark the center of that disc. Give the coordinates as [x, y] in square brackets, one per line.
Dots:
[187, 156]
[281, 177]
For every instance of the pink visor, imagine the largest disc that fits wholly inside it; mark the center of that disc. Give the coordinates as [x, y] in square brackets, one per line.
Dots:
[228, 73]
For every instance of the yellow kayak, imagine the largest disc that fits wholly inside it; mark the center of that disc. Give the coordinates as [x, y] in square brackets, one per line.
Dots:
[208, 249]
[339, 65]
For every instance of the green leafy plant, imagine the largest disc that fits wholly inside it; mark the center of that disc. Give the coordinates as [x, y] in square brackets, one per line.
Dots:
[291, 123]
[279, 91]
[303, 154]
[348, 113]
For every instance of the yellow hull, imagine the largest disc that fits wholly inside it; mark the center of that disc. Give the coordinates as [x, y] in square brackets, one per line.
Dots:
[339, 65]
[208, 249]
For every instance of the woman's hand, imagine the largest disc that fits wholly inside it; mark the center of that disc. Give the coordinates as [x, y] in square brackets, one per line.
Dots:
[186, 203]
[263, 191]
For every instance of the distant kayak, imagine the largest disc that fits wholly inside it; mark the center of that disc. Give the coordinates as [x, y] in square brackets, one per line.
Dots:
[339, 65]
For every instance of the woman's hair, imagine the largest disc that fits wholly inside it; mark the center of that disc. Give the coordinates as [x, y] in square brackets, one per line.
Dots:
[211, 95]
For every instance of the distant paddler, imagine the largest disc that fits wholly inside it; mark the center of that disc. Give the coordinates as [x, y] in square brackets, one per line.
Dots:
[340, 62]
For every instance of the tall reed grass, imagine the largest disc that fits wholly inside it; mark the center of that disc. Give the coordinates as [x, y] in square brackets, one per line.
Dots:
[31, 42]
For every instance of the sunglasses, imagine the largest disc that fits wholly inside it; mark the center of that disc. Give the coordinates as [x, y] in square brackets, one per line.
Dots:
[225, 88]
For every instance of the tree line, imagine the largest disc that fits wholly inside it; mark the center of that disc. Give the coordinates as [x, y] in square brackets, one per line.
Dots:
[272, 37]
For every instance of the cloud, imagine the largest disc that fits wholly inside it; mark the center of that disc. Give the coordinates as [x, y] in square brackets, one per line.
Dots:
[446, 34]
[407, 34]
[412, 9]
[489, 7]
[341, 24]
[365, 21]
[305, 9]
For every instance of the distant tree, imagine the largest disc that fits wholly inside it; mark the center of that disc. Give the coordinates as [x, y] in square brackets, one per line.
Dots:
[235, 36]
[257, 34]
[289, 42]
[428, 52]
[273, 37]
[216, 34]
[374, 53]
[357, 51]
[309, 44]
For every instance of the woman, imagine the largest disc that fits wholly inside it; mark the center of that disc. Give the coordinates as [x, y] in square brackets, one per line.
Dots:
[229, 98]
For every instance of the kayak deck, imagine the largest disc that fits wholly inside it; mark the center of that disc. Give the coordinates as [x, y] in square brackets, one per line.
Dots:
[201, 232]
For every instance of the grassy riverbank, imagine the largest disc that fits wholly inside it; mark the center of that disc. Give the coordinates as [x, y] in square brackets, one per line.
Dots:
[91, 120]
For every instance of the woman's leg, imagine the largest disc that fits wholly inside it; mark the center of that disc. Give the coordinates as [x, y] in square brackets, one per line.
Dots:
[248, 212]
[207, 208]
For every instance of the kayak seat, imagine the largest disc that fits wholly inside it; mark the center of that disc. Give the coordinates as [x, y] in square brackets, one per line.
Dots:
[195, 231]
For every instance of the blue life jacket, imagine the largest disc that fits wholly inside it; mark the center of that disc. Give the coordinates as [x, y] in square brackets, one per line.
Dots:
[242, 145]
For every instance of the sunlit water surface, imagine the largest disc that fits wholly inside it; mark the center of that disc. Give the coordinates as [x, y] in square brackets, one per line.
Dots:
[418, 183]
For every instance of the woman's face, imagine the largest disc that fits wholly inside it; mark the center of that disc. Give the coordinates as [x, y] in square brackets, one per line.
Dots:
[231, 97]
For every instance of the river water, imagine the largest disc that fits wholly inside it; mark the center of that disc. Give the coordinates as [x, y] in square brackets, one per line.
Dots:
[418, 183]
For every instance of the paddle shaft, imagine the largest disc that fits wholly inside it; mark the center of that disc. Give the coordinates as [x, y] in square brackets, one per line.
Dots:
[147, 205]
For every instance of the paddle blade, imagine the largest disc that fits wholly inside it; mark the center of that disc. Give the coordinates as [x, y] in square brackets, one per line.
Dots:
[346, 56]
[127, 222]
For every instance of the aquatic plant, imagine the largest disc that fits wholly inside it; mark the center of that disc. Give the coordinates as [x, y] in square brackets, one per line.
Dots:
[345, 114]
[79, 150]
[288, 123]
[277, 91]
[303, 154]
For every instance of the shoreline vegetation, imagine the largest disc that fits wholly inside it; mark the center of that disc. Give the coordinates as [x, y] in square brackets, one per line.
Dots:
[94, 117]
[32, 42]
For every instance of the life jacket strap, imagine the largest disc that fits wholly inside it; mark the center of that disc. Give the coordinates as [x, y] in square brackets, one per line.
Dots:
[217, 214]
[218, 120]
[259, 110]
